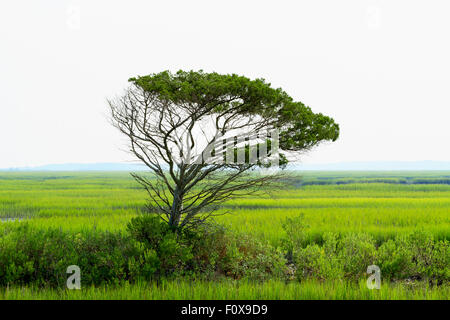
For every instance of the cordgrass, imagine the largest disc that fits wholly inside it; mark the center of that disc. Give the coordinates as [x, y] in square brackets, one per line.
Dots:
[235, 290]
[106, 201]
[347, 202]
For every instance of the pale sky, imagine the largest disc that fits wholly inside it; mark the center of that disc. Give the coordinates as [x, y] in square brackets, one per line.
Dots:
[381, 69]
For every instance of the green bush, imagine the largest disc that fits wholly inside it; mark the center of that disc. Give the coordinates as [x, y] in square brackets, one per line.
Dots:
[218, 252]
[295, 229]
[144, 265]
[313, 262]
[416, 256]
[209, 251]
[165, 250]
[41, 257]
[246, 257]
[319, 262]
[394, 259]
[152, 250]
[356, 251]
[430, 259]
[149, 230]
[440, 267]
[346, 257]
[149, 250]
[103, 257]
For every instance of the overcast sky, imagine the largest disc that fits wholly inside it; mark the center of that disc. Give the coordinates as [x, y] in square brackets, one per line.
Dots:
[381, 69]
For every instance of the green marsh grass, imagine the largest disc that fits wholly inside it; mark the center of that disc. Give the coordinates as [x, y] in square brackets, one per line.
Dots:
[235, 290]
[106, 201]
[92, 201]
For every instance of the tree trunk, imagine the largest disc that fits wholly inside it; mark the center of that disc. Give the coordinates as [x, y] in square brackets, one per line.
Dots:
[177, 206]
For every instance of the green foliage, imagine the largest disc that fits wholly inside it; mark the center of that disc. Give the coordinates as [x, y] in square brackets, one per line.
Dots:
[145, 265]
[165, 249]
[29, 255]
[356, 252]
[245, 257]
[295, 229]
[81, 218]
[209, 251]
[314, 262]
[394, 258]
[414, 256]
[152, 250]
[218, 253]
[299, 127]
[149, 230]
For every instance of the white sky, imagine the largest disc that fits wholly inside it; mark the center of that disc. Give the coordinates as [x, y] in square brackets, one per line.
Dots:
[380, 68]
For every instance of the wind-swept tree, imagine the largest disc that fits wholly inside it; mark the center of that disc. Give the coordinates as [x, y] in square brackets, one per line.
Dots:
[204, 134]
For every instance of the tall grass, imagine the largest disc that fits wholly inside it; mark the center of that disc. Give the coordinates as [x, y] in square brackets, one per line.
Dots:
[235, 290]
[106, 201]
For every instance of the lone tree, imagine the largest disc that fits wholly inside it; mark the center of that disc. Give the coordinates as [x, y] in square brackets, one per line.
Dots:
[204, 134]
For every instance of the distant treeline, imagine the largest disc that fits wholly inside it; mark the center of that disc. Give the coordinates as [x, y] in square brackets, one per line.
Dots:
[321, 181]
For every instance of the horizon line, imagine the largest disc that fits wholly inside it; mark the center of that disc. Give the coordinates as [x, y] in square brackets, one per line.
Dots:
[382, 165]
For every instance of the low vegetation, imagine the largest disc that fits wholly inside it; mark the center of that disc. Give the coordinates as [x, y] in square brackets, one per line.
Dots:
[313, 241]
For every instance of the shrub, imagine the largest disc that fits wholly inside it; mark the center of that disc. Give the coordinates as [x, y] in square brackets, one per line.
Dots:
[295, 229]
[148, 229]
[394, 259]
[218, 252]
[415, 256]
[246, 257]
[152, 250]
[172, 250]
[430, 259]
[313, 262]
[440, 266]
[209, 251]
[144, 265]
[356, 251]
[347, 257]
[41, 257]
[319, 262]
[103, 257]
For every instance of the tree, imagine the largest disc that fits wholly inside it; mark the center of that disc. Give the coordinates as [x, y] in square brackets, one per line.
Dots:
[203, 135]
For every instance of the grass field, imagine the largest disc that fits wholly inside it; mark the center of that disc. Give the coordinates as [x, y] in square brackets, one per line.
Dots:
[382, 204]
[237, 290]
